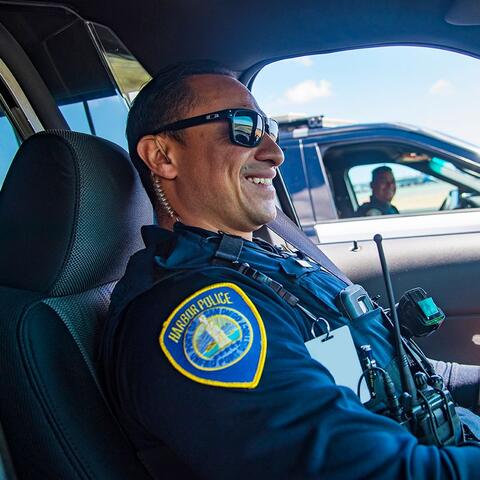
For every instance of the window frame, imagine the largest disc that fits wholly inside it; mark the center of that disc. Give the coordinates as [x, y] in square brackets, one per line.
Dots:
[18, 111]
[314, 195]
[24, 119]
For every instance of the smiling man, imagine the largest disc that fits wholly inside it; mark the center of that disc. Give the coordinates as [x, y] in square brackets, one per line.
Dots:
[383, 187]
[207, 352]
[213, 181]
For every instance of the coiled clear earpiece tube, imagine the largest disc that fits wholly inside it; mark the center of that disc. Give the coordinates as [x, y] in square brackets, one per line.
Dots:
[161, 197]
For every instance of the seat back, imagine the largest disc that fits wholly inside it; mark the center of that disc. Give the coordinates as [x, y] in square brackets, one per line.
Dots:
[71, 209]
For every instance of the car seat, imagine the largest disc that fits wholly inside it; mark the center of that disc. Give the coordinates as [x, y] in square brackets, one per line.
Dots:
[71, 208]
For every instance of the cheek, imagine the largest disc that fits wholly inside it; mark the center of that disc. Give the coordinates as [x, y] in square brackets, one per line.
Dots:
[229, 164]
[213, 173]
[214, 167]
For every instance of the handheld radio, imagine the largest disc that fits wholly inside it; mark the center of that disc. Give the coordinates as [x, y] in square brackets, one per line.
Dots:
[426, 406]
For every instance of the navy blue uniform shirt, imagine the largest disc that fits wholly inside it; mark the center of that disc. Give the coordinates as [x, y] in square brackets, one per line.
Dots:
[169, 347]
[376, 207]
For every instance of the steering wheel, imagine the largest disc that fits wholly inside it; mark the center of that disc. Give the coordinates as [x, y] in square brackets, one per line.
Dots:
[452, 201]
[455, 200]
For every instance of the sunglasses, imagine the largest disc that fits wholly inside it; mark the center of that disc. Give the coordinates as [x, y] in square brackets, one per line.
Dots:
[247, 127]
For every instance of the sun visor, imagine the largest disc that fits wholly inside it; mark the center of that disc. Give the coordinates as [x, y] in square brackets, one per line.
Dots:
[464, 13]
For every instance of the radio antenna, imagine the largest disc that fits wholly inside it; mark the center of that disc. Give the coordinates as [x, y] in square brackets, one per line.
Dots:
[403, 366]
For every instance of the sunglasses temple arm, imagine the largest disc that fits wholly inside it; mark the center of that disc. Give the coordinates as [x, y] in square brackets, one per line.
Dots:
[192, 122]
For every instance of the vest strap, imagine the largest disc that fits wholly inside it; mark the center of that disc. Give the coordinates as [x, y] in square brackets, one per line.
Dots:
[293, 235]
[228, 251]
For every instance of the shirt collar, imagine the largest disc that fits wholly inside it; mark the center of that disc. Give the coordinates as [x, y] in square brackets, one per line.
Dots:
[376, 201]
[198, 245]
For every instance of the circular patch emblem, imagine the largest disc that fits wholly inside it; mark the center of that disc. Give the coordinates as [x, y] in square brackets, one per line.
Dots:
[217, 338]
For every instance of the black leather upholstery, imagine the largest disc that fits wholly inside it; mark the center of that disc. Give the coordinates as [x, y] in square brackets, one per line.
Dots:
[71, 208]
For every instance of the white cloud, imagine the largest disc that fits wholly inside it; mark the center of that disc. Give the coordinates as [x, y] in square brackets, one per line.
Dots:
[308, 90]
[442, 87]
[305, 61]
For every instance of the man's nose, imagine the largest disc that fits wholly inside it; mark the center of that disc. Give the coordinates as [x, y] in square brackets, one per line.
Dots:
[269, 150]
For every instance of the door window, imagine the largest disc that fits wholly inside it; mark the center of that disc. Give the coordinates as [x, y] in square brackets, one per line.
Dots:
[9, 144]
[105, 117]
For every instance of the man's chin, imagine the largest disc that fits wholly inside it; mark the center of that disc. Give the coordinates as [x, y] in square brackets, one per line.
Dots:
[266, 216]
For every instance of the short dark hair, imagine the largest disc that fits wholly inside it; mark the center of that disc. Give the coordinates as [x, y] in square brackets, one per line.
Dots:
[164, 99]
[377, 171]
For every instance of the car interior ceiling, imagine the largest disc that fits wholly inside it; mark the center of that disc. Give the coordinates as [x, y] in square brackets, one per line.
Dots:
[42, 33]
[214, 26]
[346, 156]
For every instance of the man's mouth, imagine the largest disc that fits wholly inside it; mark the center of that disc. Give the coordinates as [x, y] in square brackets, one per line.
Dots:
[260, 180]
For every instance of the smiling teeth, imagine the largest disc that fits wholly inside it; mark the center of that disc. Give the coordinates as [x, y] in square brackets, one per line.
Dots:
[264, 181]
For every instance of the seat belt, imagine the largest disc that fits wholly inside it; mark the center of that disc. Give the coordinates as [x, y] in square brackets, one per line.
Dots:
[293, 235]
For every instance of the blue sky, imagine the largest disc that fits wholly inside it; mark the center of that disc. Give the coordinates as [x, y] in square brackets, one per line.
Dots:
[421, 86]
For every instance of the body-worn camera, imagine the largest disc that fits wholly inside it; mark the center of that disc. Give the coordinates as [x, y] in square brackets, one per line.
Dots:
[418, 314]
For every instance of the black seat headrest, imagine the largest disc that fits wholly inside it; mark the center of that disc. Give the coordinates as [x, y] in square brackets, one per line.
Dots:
[71, 209]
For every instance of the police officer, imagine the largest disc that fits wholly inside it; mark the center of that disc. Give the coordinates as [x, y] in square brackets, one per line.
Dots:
[383, 190]
[208, 361]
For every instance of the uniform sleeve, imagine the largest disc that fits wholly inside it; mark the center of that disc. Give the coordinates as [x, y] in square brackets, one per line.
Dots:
[296, 423]
[463, 381]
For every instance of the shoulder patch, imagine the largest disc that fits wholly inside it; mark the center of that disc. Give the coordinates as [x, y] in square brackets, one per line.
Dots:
[216, 337]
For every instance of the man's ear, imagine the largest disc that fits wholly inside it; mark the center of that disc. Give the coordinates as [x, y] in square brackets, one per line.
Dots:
[154, 151]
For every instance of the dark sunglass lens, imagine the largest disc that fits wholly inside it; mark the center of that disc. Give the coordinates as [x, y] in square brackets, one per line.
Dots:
[260, 128]
[273, 129]
[243, 126]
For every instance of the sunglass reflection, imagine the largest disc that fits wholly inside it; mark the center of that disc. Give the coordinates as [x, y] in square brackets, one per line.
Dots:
[247, 126]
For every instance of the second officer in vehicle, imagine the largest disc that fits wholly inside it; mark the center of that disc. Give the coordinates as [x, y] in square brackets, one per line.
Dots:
[383, 190]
